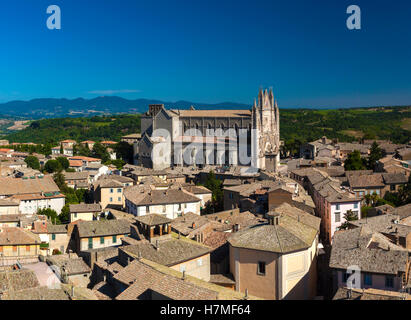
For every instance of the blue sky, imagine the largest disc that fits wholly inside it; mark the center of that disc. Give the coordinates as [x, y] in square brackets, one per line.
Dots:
[208, 51]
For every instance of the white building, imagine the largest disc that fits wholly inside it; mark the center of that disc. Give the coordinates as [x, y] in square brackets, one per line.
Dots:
[32, 193]
[171, 203]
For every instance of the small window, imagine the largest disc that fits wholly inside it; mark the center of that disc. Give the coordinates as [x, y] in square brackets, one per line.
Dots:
[111, 190]
[261, 268]
[118, 190]
[367, 279]
[337, 217]
[101, 240]
[164, 208]
[90, 243]
[119, 199]
[147, 209]
[392, 187]
[111, 199]
[53, 236]
[337, 207]
[75, 216]
[355, 205]
[114, 239]
[389, 281]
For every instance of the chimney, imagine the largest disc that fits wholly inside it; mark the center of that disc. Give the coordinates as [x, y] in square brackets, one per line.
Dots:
[274, 218]
[246, 294]
[236, 227]
[184, 275]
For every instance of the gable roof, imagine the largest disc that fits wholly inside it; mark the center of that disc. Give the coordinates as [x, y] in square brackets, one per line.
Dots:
[371, 251]
[169, 253]
[17, 236]
[102, 228]
[153, 219]
[85, 207]
[15, 186]
[394, 178]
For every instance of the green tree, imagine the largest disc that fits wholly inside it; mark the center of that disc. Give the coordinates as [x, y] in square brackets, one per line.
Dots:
[215, 186]
[100, 152]
[65, 214]
[348, 216]
[32, 162]
[375, 155]
[354, 161]
[124, 151]
[59, 179]
[63, 162]
[51, 215]
[52, 166]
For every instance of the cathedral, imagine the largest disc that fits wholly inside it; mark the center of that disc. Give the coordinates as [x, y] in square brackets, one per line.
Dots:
[170, 137]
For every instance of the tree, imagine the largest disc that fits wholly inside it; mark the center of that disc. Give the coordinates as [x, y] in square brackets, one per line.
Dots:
[65, 214]
[215, 186]
[100, 152]
[52, 166]
[124, 151]
[375, 155]
[60, 180]
[63, 162]
[348, 216]
[354, 161]
[32, 162]
[51, 215]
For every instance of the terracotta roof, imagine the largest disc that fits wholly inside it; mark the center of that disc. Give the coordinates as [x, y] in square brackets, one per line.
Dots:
[153, 219]
[163, 197]
[72, 265]
[188, 222]
[75, 163]
[40, 293]
[103, 228]
[14, 186]
[366, 181]
[394, 178]
[403, 211]
[17, 280]
[369, 294]
[141, 279]
[85, 207]
[371, 251]
[83, 158]
[295, 231]
[387, 224]
[170, 252]
[17, 236]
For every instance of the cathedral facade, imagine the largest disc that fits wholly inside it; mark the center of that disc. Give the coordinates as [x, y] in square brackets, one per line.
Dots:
[182, 137]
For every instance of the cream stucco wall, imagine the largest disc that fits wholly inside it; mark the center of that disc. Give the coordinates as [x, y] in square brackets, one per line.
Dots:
[198, 267]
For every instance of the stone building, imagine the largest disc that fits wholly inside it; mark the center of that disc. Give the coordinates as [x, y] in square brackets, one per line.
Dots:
[187, 131]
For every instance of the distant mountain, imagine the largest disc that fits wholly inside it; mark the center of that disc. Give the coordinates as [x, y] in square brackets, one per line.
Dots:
[51, 108]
